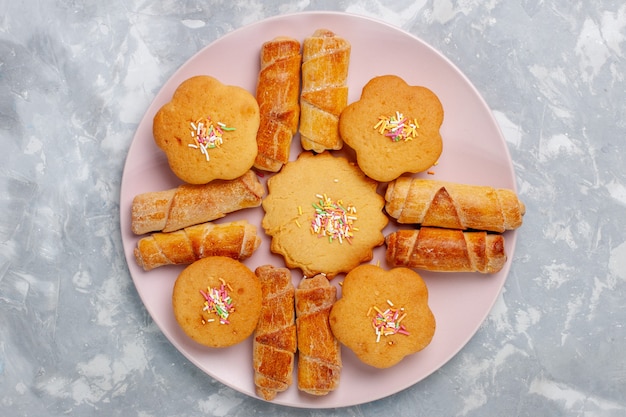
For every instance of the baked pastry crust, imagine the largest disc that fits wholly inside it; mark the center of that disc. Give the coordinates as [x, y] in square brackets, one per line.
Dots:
[453, 205]
[278, 95]
[319, 353]
[446, 250]
[237, 240]
[289, 214]
[188, 204]
[324, 95]
[274, 344]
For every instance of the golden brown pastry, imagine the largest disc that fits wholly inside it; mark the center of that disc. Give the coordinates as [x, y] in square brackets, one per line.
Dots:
[383, 316]
[319, 355]
[274, 344]
[324, 95]
[446, 250]
[453, 205]
[208, 130]
[236, 240]
[187, 204]
[278, 91]
[217, 301]
[393, 128]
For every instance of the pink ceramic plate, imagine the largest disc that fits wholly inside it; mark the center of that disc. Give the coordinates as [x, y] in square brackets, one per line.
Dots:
[474, 152]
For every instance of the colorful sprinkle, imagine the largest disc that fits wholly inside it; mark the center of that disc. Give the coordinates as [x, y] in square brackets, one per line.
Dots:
[218, 302]
[388, 322]
[207, 135]
[333, 220]
[397, 127]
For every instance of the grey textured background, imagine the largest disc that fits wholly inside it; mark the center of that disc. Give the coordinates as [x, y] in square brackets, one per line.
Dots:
[75, 79]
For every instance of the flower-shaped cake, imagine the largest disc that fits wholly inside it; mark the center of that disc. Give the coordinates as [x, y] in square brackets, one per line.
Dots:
[393, 128]
[383, 316]
[208, 130]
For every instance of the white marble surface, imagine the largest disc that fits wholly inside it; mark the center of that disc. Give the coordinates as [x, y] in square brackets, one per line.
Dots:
[77, 76]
